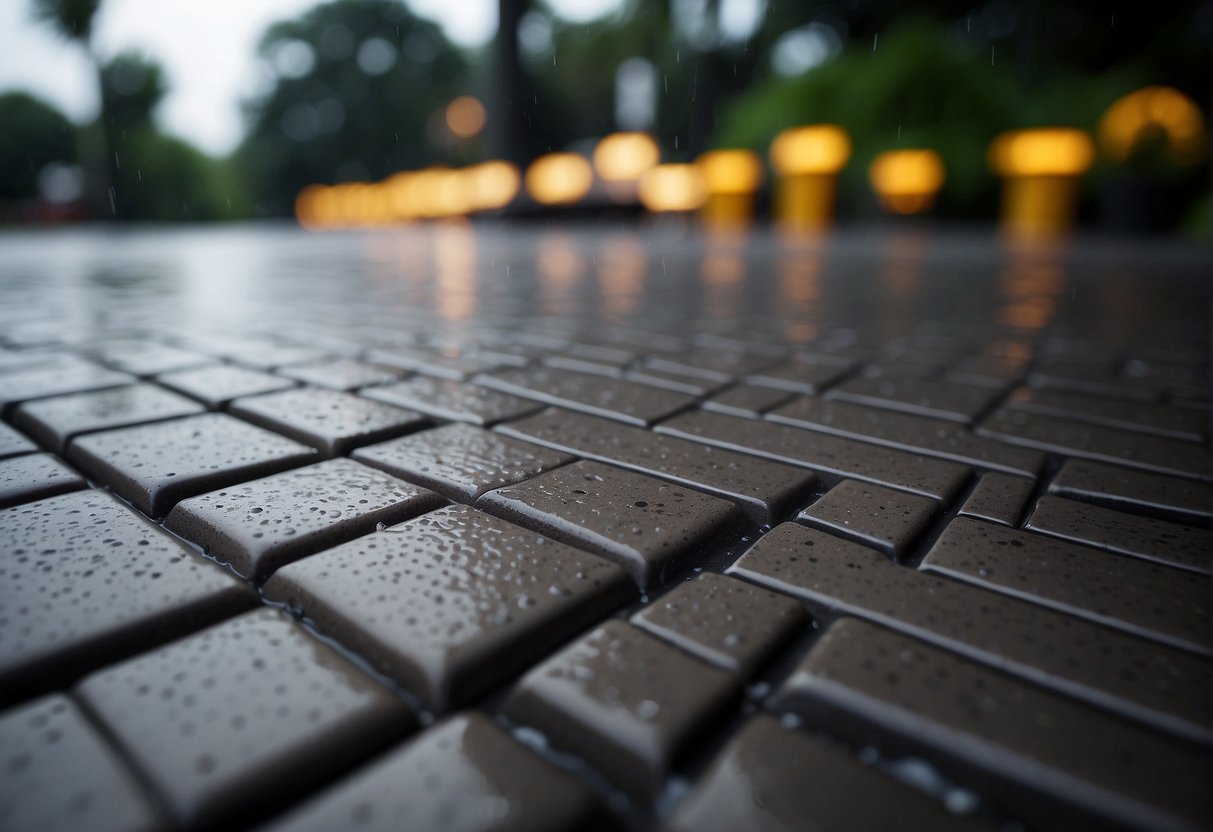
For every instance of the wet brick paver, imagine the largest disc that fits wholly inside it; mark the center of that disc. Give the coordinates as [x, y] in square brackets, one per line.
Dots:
[614, 527]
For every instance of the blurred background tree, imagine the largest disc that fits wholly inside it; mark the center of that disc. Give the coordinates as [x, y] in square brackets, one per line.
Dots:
[359, 93]
[35, 136]
[73, 20]
[154, 176]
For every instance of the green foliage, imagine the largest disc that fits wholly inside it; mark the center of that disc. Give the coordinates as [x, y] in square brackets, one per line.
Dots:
[34, 135]
[336, 120]
[920, 88]
[167, 179]
[73, 19]
[132, 86]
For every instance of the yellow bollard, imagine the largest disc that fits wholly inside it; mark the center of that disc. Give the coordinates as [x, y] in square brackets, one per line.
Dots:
[807, 161]
[732, 178]
[907, 181]
[1041, 170]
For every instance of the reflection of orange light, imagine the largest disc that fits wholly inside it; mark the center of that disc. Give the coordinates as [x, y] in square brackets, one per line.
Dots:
[816, 148]
[1041, 167]
[1049, 151]
[465, 116]
[673, 188]
[559, 178]
[1134, 117]
[732, 177]
[624, 157]
[492, 185]
[907, 181]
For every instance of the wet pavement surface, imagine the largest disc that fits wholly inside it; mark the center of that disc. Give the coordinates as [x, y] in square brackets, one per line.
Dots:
[557, 527]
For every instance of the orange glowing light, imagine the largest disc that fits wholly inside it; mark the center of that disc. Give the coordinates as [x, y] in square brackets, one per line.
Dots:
[492, 185]
[1165, 110]
[465, 116]
[1048, 151]
[559, 178]
[907, 181]
[673, 188]
[731, 171]
[624, 157]
[815, 148]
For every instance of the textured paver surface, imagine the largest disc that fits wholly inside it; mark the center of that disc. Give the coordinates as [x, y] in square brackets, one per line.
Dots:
[484, 527]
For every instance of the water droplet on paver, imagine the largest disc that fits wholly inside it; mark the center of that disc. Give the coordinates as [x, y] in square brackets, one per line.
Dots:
[648, 710]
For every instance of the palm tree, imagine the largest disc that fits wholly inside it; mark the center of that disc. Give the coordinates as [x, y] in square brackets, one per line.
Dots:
[73, 20]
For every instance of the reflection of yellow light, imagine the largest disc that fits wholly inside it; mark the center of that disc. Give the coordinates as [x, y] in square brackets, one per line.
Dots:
[673, 188]
[559, 178]
[621, 273]
[907, 181]
[1137, 115]
[465, 116]
[816, 148]
[624, 157]
[454, 252]
[807, 160]
[732, 177]
[561, 267]
[1049, 151]
[492, 185]
[1041, 168]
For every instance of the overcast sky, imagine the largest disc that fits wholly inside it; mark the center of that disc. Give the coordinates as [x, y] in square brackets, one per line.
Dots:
[208, 48]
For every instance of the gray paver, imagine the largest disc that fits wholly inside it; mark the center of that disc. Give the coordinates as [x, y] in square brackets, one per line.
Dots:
[35, 477]
[70, 375]
[732, 624]
[219, 384]
[60, 776]
[252, 709]
[453, 602]
[999, 498]
[463, 775]
[450, 400]
[461, 461]
[942, 399]
[1124, 486]
[1142, 678]
[57, 420]
[770, 778]
[1035, 749]
[649, 527]
[625, 701]
[918, 434]
[1151, 453]
[330, 420]
[13, 442]
[84, 580]
[750, 400]
[626, 401]
[844, 457]
[1118, 591]
[765, 490]
[340, 374]
[881, 517]
[155, 466]
[1159, 419]
[1116, 531]
[258, 526]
